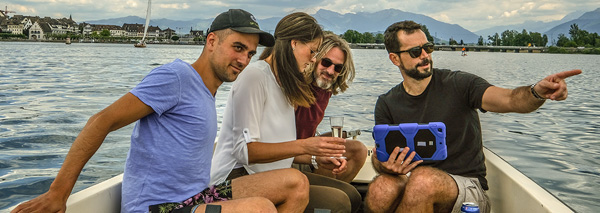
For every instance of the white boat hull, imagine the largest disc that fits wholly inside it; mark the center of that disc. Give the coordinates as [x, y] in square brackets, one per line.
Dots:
[510, 191]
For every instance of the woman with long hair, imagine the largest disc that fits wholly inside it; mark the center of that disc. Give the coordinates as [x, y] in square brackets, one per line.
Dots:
[258, 132]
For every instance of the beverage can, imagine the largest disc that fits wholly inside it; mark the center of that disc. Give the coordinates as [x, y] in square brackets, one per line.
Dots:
[469, 207]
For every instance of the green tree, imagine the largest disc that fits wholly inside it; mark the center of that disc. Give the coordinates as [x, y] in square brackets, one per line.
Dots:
[574, 32]
[352, 36]
[379, 38]
[175, 38]
[426, 31]
[105, 33]
[368, 37]
[562, 40]
[452, 42]
[495, 39]
[523, 38]
[537, 39]
[480, 41]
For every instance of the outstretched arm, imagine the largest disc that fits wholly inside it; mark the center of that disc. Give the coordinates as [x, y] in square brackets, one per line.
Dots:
[121, 113]
[522, 99]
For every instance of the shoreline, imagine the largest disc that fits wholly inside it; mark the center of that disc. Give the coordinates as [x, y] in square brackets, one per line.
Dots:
[454, 48]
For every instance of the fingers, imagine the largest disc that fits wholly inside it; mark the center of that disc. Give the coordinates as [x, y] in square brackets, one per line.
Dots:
[566, 74]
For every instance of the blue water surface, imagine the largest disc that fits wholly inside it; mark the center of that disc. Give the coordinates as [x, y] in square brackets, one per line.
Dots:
[49, 90]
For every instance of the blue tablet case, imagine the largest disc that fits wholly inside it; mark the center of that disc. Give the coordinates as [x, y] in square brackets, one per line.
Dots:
[428, 140]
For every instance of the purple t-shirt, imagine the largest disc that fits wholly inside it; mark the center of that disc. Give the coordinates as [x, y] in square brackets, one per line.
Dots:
[171, 149]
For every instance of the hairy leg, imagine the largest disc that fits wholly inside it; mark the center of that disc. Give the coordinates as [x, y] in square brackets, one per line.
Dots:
[250, 204]
[288, 189]
[385, 193]
[356, 155]
[427, 190]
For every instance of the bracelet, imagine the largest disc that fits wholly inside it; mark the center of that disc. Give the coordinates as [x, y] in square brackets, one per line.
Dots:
[535, 94]
[313, 160]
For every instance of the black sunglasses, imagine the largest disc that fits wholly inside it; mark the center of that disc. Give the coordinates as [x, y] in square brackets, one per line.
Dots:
[417, 51]
[327, 63]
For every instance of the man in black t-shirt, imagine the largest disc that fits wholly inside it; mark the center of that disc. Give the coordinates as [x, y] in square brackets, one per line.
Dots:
[437, 95]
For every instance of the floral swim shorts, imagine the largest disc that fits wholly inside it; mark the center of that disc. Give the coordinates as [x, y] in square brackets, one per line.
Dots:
[215, 193]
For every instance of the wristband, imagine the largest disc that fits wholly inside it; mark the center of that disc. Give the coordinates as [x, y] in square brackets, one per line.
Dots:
[535, 94]
[313, 160]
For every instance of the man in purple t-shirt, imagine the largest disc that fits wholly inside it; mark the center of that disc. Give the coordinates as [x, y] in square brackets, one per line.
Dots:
[169, 161]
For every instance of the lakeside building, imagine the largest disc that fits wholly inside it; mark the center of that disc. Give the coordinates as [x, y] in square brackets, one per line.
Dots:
[47, 28]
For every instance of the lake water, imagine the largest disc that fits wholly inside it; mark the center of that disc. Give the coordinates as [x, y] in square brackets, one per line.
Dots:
[49, 90]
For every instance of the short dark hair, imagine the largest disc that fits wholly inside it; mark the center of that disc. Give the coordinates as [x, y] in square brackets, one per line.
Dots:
[391, 34]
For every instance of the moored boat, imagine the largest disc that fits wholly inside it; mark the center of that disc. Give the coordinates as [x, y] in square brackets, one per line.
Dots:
[510, 191]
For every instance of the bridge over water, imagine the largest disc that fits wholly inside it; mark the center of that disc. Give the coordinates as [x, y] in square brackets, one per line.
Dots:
[469, 48]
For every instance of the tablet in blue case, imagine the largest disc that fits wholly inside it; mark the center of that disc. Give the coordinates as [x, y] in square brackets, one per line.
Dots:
[428, 140]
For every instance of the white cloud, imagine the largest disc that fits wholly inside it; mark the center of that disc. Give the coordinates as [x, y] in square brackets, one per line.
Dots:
[550, 6]
[174, 6]
[442, 17]
[471, 14]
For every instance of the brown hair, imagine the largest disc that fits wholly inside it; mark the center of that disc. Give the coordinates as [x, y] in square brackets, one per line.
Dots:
[347, 74]
[391, 34]
[297, 26]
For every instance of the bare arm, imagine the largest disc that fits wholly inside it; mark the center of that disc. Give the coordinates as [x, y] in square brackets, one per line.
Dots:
[320, 146]
[119, 114]
[522, 100]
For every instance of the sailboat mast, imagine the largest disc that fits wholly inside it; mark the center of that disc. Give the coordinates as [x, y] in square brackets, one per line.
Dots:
[147, 20]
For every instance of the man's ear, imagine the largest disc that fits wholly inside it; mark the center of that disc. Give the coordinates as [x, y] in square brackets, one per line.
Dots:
[395, 58]
[211, 39]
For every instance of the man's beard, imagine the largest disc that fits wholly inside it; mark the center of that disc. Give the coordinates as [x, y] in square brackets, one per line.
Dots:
[414, 72]
[324, 84]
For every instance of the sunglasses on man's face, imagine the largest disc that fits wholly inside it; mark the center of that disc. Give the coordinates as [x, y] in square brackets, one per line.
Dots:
[325, 62]
[415, 52]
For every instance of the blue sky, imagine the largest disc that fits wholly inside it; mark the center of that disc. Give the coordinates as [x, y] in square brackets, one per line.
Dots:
[471, 14]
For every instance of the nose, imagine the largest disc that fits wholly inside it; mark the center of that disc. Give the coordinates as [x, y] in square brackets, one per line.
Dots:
[244, 59]
[330, 70]
[313, 59]
[423, 52]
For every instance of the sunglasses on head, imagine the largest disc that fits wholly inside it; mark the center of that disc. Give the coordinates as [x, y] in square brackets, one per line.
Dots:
[417, 51]
[327, 63]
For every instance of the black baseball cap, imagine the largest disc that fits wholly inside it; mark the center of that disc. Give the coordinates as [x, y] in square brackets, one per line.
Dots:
[241, 21]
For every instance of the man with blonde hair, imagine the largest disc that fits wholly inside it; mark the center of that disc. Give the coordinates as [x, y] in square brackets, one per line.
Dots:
[330, 75]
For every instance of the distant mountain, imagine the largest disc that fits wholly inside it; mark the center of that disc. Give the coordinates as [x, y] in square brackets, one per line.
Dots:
[379, 21]
[589, 21]
[331, 21]
[530, 26]
[180, 26]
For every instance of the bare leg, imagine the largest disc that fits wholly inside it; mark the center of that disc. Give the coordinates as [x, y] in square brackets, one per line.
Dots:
[288, 189]
[251, 204]
[356, 154]
[428, 190]
[385, 193]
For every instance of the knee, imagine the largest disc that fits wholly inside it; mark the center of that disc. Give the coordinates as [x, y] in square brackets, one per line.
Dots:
[384, 186]
[384, 192]
[426, 180]
[296, 181]
[259, 204]
[356, 149]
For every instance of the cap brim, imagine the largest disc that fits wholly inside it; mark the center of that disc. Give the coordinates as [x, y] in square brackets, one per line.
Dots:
[265, 39]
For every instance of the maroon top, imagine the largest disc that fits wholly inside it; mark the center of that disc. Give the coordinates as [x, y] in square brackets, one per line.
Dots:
[307, 119]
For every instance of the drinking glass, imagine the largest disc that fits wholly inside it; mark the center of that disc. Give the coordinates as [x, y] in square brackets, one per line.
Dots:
[337, 123]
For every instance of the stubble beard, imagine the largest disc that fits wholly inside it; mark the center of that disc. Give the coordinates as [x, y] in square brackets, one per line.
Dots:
[415, 73]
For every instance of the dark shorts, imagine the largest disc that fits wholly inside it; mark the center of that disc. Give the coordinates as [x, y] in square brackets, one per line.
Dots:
[219, 192]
